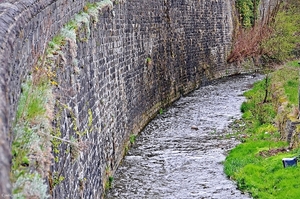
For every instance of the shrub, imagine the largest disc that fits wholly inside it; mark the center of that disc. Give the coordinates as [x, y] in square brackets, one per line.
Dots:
[285, 37]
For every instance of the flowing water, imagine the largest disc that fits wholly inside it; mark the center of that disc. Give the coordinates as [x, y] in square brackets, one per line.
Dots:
[171, 159]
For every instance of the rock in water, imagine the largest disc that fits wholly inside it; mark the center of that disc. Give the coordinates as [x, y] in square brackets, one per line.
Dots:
[194, 127]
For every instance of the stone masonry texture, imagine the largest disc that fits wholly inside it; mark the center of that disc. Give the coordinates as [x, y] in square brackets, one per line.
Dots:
[140, 56]
[25, 26]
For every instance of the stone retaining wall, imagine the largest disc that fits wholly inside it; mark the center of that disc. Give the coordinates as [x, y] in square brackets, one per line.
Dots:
[138, 57]
[25, 27]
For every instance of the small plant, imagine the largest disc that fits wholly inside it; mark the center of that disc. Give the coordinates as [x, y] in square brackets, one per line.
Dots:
[132, 138]
[57, 179]
[69, 31]
[83, 21]
[30, 161]
[161, 111]
[107, 170]
[109, 178]
[30, 186]
[126, 149]
[108, 183]
[148, 61]
[88, 6]
[267, 88]
[90, 119]
[105, 3]
[213, 132]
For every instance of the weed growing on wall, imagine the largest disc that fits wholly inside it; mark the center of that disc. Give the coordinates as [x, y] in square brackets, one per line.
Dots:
[104, 3]
[69, 31]
[148, 61]
[107, 184]
[132, 138]
[33, 133]
[31, 148]
[93, 11]
[33, 186]
[83, 21]
[161, 111]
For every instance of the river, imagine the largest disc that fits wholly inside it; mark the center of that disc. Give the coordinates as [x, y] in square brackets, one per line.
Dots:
[179, 154]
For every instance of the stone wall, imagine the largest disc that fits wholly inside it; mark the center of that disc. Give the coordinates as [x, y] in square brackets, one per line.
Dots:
[25, 27]
[139, 56]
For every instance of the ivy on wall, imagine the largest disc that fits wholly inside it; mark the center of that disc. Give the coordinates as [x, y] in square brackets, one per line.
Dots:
[248, 11]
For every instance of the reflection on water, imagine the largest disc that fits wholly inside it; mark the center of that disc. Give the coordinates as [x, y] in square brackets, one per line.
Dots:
[171, 160]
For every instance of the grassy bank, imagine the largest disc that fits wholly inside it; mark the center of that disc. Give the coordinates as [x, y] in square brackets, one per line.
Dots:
[256, 164]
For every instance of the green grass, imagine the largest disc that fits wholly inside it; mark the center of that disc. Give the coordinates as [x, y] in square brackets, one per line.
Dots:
[294, 63]
[31, 119]
[289, 78]
[284, 41]
[250, 164]
[267, 178]
[291, 85]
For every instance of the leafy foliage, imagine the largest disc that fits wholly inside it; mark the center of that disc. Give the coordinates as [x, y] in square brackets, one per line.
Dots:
[248, 11]
[276, 39]
[285, 40]
[259, 158]
[132, 138]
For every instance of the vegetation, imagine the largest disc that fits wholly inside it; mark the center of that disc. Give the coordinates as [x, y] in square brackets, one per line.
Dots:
[276, 39]
[161, 111]
[148, 61]
[248, 11]
[108, 183]
[108, 180]
[256, 164]
[284, 41]
[34, 140]
[31, 148]
[132, 138]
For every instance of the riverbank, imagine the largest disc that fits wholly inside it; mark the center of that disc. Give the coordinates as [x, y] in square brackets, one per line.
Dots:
[256, 164]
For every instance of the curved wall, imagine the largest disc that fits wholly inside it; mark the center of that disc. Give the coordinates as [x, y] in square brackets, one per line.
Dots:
[25, 26]
[138, 56]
